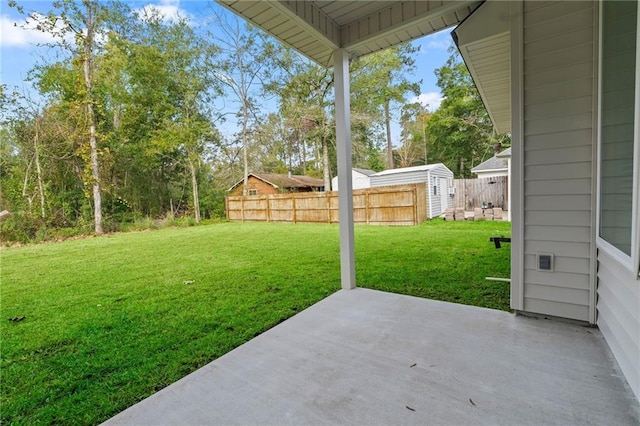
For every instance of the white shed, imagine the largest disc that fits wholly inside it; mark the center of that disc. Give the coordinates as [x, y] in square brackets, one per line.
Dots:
[438, 177]
[359, 179]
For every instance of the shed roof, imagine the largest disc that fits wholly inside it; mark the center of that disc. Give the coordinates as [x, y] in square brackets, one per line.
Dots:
[365, 172]
[424, 168]
[318, 27]
[285, 181]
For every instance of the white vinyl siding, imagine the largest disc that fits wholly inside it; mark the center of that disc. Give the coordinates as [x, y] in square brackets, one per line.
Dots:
[358, 180]
[619, 315]
[618, 248]
[443, 178]
[428, 174]
[558, 113]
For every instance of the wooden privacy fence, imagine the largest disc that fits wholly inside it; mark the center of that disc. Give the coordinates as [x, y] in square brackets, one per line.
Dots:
[471, 193]
[386, 205]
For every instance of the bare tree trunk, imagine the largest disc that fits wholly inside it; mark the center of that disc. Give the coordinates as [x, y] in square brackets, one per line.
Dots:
[25, 184]
[303, 143]
[326, 170]
[39, 170]
[426, 141]
[194, 187]
[387, 119]
[245, 154]
[93, 145]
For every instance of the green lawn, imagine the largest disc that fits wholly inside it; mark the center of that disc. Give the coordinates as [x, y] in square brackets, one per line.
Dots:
[110, 320]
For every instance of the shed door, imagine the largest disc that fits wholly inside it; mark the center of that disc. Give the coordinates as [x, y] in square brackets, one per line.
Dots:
[444, 194]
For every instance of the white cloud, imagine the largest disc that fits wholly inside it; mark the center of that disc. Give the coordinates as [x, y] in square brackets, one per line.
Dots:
[438, 44]
[20, 32]
[168, 9]
[430, 100]
[438, 41]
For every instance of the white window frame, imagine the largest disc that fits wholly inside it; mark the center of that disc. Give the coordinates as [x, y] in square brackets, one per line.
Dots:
[632, 262]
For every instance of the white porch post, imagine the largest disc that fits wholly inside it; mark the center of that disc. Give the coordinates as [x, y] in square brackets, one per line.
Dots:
[345, 193]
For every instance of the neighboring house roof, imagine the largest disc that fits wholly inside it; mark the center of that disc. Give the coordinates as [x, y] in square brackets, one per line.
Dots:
[496, 163]
[283, 181]
[365, 172]
[410, 169]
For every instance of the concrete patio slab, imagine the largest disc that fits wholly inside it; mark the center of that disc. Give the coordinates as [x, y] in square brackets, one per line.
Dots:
[367, 357]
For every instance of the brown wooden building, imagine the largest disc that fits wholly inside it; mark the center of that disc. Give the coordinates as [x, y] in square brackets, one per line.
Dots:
[273, 183]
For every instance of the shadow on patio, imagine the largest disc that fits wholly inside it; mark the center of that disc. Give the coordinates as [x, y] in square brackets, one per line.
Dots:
[369, 357]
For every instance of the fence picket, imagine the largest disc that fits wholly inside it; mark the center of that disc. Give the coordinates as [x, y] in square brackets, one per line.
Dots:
[393, 205]
[471, 193]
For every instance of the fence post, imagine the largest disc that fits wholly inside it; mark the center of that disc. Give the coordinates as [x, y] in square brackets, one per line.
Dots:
[293, 200]
[367, 209]
[268, 200]
[242, 207]
[328, 206]
[414, 194]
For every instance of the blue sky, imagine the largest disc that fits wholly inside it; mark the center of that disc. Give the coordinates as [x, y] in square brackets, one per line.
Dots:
[19, 51]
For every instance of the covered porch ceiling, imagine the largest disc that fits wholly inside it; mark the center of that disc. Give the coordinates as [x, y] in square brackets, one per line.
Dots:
[317, 28]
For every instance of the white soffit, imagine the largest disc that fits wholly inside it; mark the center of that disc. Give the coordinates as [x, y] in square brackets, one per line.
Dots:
[484, 42]
[317, 28]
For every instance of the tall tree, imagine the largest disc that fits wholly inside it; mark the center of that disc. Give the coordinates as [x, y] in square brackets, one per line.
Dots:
[23, 139]
[461, 131]
[240, 67]
[77, 27]
[380, 80]
[414, 138]
[305, 101]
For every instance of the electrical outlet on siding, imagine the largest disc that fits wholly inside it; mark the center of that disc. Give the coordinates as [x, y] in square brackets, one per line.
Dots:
[544, 262]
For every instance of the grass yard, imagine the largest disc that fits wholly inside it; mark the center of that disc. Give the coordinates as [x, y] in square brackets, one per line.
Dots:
[110, 320]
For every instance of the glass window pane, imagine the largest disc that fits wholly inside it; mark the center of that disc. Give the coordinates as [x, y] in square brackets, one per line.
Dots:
[619, 22]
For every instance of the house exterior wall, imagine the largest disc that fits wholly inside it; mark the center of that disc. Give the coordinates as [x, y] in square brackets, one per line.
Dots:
[260, 186]
[618, 264]
[358, 180]
[492, 173]
[619, 315]
[558, 156]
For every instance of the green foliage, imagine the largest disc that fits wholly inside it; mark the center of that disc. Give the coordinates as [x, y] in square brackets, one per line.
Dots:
[154, 93]
[414, 150]
[460, 133]
[379, 81]
[151, 96]
[111, 320]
